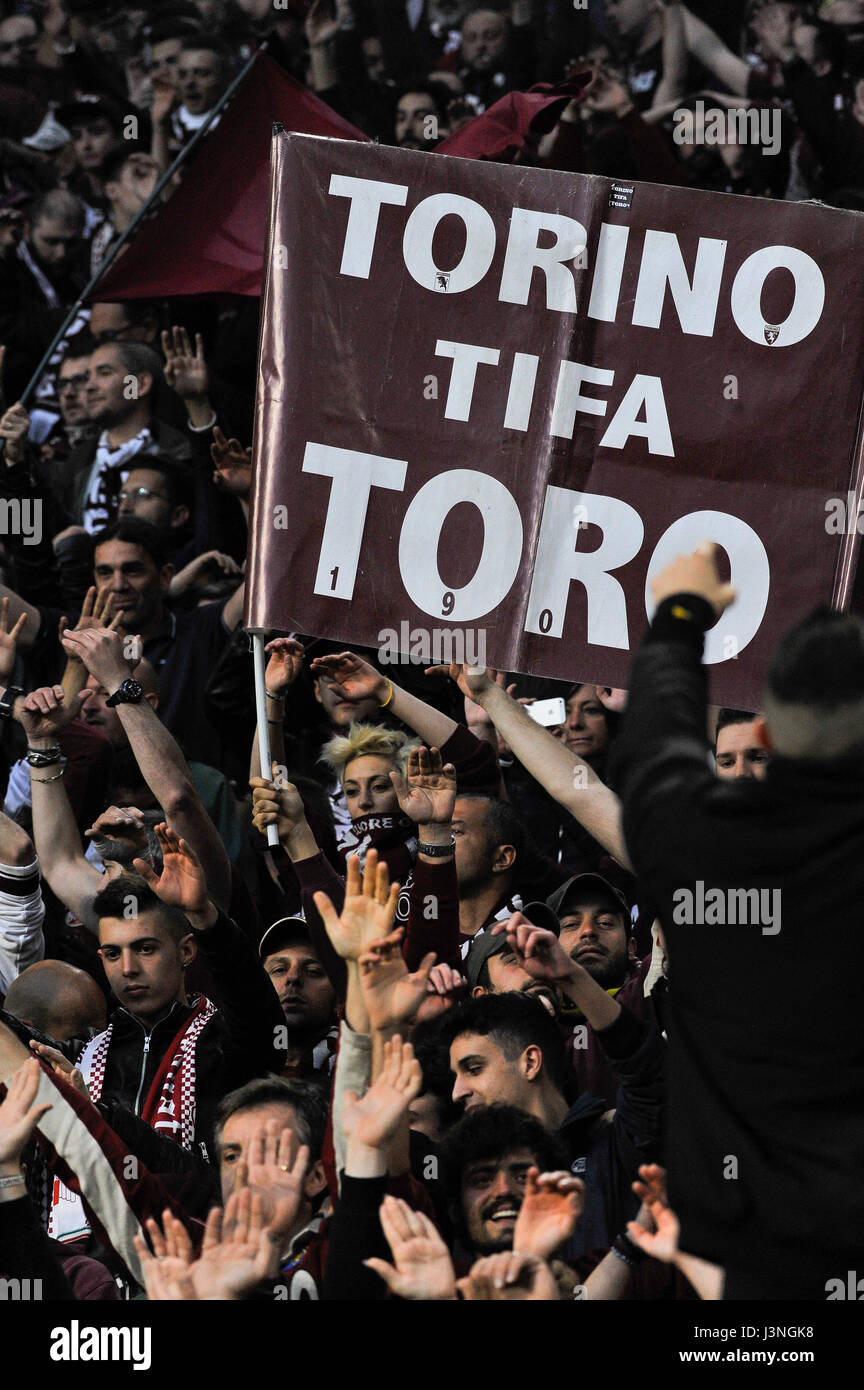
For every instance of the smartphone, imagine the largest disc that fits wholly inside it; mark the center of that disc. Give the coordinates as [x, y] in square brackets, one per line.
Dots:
[548, 712]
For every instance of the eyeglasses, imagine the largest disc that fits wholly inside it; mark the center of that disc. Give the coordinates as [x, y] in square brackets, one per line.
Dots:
[71, 383]
[139, 492]
[19, 45]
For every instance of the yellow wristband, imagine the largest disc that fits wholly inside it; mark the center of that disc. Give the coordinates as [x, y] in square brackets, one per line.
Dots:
[389, 697]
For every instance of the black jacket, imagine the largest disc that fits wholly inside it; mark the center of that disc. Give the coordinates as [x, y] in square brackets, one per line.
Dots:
[237, 1044]
[608, 1158]
[766, 1124]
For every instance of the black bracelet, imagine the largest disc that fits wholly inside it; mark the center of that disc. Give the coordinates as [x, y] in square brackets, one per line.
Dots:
[436, 851]
[43, 757]
[627, 1249]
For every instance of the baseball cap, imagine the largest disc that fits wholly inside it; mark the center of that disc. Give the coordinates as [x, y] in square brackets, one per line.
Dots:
[281, 933]
[482, 947]
[542, 915]
[87, 106]
[581, 881]
[50, 136]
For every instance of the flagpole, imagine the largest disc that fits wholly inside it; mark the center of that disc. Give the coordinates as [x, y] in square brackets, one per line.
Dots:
[135, 223]
[263, 727]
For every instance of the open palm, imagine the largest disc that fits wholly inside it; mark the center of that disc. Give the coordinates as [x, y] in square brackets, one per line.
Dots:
[182, 882]
[427, 792]
[422, 1267]
[550, 1209]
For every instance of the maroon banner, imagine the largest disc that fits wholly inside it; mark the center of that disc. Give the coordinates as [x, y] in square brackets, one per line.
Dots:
[494, 401]
[209, 236]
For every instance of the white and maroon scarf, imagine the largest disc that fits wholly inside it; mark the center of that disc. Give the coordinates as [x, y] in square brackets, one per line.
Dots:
[169, 1107]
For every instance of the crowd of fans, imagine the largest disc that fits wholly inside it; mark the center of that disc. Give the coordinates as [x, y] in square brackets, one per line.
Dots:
[418, 1049]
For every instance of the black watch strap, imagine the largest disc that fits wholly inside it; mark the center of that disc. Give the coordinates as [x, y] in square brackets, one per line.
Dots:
[7, 700]
[129, 693]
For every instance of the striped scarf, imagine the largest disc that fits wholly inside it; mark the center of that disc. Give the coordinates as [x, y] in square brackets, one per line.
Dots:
[169, 1107]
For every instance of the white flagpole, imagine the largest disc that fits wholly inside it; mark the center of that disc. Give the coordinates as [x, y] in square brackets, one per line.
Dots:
[263, 728]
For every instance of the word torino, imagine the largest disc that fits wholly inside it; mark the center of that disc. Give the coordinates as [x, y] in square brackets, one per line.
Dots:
[730, 907]
[77, 1343]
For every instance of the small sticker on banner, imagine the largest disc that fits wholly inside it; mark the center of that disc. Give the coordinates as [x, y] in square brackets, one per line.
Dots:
[621, 196]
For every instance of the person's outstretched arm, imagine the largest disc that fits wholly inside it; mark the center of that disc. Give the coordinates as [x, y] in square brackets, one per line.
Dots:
[566, 777]
[158, 755]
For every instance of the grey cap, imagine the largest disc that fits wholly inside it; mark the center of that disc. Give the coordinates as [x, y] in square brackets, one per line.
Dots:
[482, 947]
[607, 890]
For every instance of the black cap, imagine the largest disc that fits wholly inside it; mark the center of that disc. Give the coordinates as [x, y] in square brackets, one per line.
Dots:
[281, 933]
[86, 106]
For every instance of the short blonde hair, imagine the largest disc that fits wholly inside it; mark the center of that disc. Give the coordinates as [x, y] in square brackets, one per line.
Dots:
[368, 741]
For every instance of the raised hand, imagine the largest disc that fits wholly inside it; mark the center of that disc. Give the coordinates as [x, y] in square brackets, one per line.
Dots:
[610, 699]
[185, 370]
[371, 1123]
[44, 712]
[351, 677]
[8, 641]
[549, 1213]
[233, 464]
[277, 1178]
[444, 989]
[427, 792]
[107, 654]
[199, 572]
[164, 96]
[662, 1242]
[182, 882]
[539, 951]
[97, 611]
[474, 681]
[368, 909]
[61, 1066]
[281, 806]
[167, 1271]
[323, 22]
[14, 425]
[422, 1267]
[392, 996]
[19, 1115]
[120, 823]
[238, 1251]
[285, 664]
[694, 574]
[509, 1276]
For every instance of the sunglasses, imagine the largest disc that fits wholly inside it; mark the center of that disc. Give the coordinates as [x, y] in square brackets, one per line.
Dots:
[19, 45]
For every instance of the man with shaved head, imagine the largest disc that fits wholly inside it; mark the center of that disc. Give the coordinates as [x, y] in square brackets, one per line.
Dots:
[57, 999]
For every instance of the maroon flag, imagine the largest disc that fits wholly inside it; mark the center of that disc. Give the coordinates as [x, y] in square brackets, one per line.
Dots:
[494, 401]
[209, 237]
[508, 126]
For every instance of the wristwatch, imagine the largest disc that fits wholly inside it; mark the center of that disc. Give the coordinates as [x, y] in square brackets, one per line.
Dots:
[130, 692]
[7, 700]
